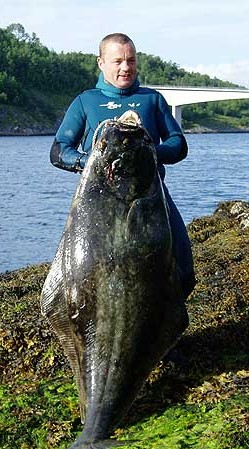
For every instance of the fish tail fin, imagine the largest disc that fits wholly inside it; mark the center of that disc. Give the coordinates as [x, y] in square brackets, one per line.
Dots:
[101, 444]
[106, 444]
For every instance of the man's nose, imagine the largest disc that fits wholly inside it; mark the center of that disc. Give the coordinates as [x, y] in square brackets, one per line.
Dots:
[124, 65]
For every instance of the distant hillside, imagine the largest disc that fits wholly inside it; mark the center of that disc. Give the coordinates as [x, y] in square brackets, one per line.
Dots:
[37, 84]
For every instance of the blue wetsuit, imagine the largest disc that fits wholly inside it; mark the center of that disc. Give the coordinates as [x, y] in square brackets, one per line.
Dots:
[106, 102]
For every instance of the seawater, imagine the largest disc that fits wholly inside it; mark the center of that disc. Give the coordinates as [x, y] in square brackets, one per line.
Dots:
[35, 196]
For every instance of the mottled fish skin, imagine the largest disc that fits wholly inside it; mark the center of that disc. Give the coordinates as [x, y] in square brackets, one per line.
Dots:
[113, 294]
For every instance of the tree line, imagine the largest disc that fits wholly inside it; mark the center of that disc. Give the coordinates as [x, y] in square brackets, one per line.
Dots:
[27, 64]
[27, 67]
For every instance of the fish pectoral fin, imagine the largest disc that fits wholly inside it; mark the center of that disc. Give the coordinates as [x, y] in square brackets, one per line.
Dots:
[146, 221]
[135, 219]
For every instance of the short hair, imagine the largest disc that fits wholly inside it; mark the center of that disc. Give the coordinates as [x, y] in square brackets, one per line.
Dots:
[119, 38]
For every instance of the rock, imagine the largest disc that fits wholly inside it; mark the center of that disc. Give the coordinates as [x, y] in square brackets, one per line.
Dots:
[240, 211]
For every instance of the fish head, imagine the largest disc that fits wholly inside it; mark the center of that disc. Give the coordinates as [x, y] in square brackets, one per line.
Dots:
[127, 157]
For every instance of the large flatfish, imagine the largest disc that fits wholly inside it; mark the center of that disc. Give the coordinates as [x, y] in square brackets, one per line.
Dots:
[113, 295]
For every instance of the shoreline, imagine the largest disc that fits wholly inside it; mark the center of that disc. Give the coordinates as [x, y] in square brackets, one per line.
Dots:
[41, 134]
[187, 131]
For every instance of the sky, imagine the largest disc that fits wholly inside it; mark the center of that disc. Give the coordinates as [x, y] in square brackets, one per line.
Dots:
[206, 36]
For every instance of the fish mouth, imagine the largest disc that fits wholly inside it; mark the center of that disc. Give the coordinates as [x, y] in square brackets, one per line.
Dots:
[130, 118]
[129, 122]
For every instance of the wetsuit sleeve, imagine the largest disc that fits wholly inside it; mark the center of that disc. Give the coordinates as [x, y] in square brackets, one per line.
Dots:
[173, 147]
[64, 153]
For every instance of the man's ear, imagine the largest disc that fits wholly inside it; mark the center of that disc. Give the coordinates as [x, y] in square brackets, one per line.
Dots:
[100, 62]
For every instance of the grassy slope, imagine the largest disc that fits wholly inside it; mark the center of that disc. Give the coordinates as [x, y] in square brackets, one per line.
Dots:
[42, 115]
[197, 400]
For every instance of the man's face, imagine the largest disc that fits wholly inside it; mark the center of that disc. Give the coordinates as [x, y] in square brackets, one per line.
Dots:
[119, 64]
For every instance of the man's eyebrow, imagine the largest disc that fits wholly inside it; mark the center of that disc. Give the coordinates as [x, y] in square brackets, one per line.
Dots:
[131, 58]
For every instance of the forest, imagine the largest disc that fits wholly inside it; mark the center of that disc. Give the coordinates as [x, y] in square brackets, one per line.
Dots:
[36, 84]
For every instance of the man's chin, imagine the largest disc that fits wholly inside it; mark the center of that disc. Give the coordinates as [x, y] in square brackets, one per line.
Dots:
[124, 83]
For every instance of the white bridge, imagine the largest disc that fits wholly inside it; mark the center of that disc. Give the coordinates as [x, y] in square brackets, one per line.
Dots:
[179, 96]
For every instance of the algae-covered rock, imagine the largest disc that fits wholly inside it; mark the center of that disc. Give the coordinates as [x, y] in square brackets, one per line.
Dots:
[27, 344]
[219, 305]
[220, 247]
[210, 362]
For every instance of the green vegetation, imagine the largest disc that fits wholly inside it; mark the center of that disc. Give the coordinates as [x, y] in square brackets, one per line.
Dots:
[196, 399]
[37, 84]
[217, 115]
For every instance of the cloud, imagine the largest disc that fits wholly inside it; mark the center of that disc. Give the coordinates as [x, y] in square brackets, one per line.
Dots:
[237, 72]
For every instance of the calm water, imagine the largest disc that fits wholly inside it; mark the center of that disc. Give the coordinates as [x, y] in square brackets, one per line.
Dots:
[35, 196]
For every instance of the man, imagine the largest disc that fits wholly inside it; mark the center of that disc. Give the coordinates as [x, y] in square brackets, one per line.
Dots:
[117, 91]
